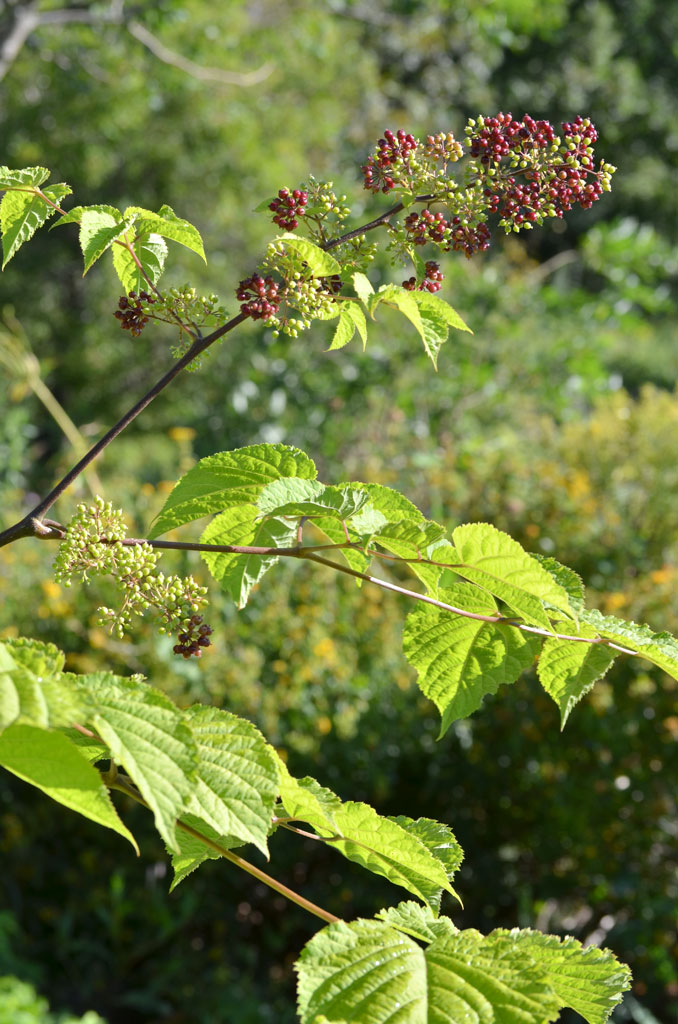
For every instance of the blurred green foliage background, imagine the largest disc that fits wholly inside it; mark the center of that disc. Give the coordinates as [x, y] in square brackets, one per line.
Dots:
[557, 421]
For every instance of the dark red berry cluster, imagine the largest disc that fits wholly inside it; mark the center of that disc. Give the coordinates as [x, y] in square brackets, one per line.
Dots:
[469, 238]
[495, 137]
[131, 312]
[259, 297]
[194, 639]
[427, 227]
[392, 151]
[433, 278]
[288, 207]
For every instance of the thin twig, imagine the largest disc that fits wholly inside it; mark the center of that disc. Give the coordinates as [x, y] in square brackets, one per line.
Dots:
[125, 785]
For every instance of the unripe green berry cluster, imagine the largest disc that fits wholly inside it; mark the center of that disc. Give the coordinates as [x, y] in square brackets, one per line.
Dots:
[93, 546]
[183, 308]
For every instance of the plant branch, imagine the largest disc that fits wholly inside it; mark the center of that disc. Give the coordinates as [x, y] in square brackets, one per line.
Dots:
[125, 785]
[27, 528]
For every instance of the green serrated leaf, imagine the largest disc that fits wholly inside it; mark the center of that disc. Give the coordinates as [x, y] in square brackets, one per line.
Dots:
[363, 836]
[460, 660]
[98, 231]
[237, 776]
[146, 734]
[439, 840]
[306, 800]
[589, 980]
[568, 579]
[42, 658]
[363, 288]
[242, 526]
[493, 560]
[659, 648]
[319, 262]
[363, 972]
[32, 690]
[344, 331]
[418, 263]
[467, 971]
[295, 497]
[166, 223]
[402, 300]
[351, 319]
[415, 541]
[52, 763]
[393, 505]
[232, 478]
[418, 921]
[567, 669]
[35, 176]
[75, 215]
[150, 251]
[438, 308]
[358, 317]
[22, 213]
[366, 972]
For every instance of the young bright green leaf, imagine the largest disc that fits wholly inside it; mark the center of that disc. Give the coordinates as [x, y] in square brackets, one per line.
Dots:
[146, 734]
[415, 541]
[460, 660]
[368, 973]
[363, 836]
[495, 561]
[351, 318]
[42, 658]
[659, 648]
[242, 526]
[28, 176]
[589, 980]
[232, 478]
[393, 505]
[418, 263]
[150, 251]
[358, 317]
[363, 288]
[22, 213]
[295, 497]
[52, 763]
[565, 577]
[434, 333]
[438, 309]
[567, 669]
[74, 216]
[439, 840]
[401, 299]
[32, 691]
[166, 223]
[306, 800]
[320, 263]
[237, 776]
[418, 921]
[344, 331]
[10, 700]
[98, 231]
[436, 318]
